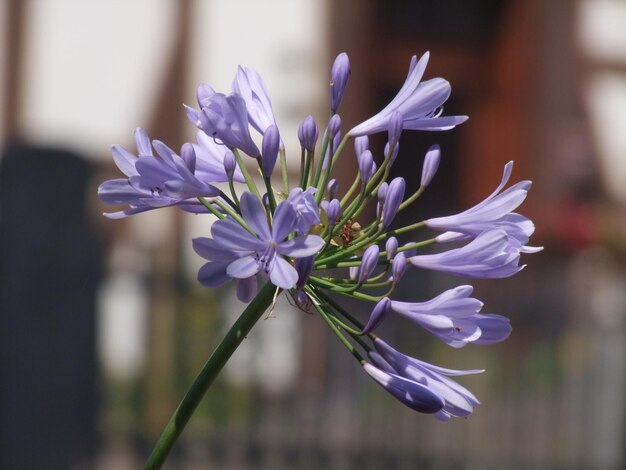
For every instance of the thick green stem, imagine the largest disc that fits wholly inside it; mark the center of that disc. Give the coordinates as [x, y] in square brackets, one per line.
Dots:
[205, 378]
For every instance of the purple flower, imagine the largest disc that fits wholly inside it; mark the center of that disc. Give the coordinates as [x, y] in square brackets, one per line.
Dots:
[453, 317]
[490, 255]
[308, 132]
[249, 85]
[391, 247]
[431, 163]
[225, 118]
[155, 181]
[458, 401]
[305, 208]
[234, 252]
[409, 392]
[495, 212]
[418, 102]
[395, 128]
[339, 75]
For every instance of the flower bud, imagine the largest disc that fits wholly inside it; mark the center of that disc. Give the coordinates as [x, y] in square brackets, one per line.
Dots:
[368, 263]
[395, 128]
[333, 210]
[334, 126]
[367, 167]
[394, 152]
[391, 247]
[336, 141]
[229, 164]
[339, 75]
[381, 194]
[379, 312]
[395, 196]
[308, 133]
[361, 144]
[332, 188]
[399, 266]
[431, 163]
[269, 150]
[188, 154]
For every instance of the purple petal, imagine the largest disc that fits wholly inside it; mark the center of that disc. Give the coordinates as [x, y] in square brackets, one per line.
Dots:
[243, 268]
[302, 246]
[254, 214]
[283, 274]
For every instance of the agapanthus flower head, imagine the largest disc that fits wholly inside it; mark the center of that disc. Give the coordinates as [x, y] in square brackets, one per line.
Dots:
[316, 244]
[339, 75]
[418, 102]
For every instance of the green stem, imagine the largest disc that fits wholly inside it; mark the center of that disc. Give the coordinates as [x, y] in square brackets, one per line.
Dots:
[205, 378]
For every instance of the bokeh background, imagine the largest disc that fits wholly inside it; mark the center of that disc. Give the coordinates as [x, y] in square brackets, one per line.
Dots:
[103, 326]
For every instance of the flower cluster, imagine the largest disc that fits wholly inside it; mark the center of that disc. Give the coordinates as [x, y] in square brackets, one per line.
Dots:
[310, 240]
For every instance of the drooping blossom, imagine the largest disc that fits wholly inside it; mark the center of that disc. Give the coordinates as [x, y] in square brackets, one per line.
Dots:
[418, 102]
[458, 401]
[155, 181]
[454, 317]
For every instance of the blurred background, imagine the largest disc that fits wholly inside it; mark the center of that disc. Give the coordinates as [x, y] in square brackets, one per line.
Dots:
[103, 325]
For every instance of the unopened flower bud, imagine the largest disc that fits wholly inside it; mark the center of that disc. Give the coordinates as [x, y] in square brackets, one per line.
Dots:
[308, 133]
[367, 167]
[229, 164]
[381, 194]
[391, 247]
[394, 130]
[332, 188]
[188, 154]
[361, 144]
[269, 150]
[394, 152]
[395, 196]
[368, 263]
[339, 75]
[431, 163]
[379, 312]
[333, 210]
[334, 126]
[399, 266]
